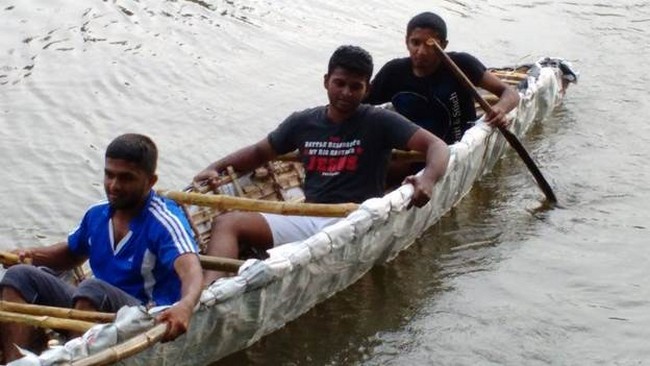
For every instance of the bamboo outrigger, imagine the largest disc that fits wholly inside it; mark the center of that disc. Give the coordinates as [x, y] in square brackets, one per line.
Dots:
[265, 294]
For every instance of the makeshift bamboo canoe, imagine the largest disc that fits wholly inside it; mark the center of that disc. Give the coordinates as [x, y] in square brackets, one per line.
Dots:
[265, 294]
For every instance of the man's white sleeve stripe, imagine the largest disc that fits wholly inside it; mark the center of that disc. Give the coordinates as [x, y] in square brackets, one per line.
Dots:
[173, 225]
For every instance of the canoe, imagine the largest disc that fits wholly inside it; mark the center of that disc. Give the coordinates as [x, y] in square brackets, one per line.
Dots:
[265, 294]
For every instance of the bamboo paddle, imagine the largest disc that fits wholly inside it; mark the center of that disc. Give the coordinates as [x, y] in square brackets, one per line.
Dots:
[125, 349]
[53, 311]
[207, 262]
[509, 136]
[223, 202]
[46, 321]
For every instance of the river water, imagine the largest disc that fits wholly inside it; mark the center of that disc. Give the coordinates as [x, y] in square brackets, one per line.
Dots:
[497, 281]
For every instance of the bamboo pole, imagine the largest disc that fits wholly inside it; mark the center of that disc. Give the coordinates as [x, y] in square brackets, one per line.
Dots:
[63, 313]
[220, 263]
[9, 259]
[46, 321]
[509, 74]
[406, 156]
[491, 98]
[511, 81]
[223, 202]
[125, 349]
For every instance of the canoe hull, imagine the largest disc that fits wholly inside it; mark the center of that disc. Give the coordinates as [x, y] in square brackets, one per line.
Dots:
[329, 262]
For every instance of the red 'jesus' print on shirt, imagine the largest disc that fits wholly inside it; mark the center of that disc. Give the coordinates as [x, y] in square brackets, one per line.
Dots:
[333, 156]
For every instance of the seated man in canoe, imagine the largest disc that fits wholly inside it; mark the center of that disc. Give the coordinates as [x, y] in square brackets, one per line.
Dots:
[345, 148]
[140, 248]
[423, 90]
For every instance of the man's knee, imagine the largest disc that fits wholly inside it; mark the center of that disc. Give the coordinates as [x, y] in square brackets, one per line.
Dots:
[21, 272]
[92, 290]
[21, 279]
[103, 296]
[37, 285]
[227, 222]
[245, 226]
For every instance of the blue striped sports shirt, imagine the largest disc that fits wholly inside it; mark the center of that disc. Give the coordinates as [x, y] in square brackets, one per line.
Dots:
[142, 263]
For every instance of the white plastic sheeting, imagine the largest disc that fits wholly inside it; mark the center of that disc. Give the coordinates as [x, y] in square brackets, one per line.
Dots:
[237, 311]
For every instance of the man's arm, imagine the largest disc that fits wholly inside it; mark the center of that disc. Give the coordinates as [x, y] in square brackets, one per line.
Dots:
[508, 99]
[178, 317]
[437, 158]
[57, 256]
[243, 160]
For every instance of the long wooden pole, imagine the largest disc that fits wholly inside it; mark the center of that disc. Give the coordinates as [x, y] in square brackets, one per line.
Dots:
[220, 263]
[53, 311]
[9, 259]
[125, 349]
[509, 136]
[46, 321]
[223, 202]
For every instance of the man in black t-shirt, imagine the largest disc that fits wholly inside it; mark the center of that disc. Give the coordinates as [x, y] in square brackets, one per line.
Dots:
[422, 89]
[345, 148]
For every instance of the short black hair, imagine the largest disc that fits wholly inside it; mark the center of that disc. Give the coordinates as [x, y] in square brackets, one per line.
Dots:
[428, 20]
[135, 148]
[353, 59]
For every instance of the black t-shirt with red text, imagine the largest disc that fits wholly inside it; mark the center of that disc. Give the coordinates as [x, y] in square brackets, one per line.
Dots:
[347, 161]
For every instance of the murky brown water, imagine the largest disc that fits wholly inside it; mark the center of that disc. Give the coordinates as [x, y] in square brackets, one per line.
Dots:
[495, 282]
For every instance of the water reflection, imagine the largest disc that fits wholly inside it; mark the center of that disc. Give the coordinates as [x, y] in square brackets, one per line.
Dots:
[102, 25]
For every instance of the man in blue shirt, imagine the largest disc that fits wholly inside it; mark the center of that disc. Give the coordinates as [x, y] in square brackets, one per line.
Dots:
[139, 246]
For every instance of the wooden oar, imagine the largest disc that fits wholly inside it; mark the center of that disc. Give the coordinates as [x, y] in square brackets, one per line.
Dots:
[125, 349]
[207, 262]
[509, 136]
[223, 202]
[53, 311]
[46, 321]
